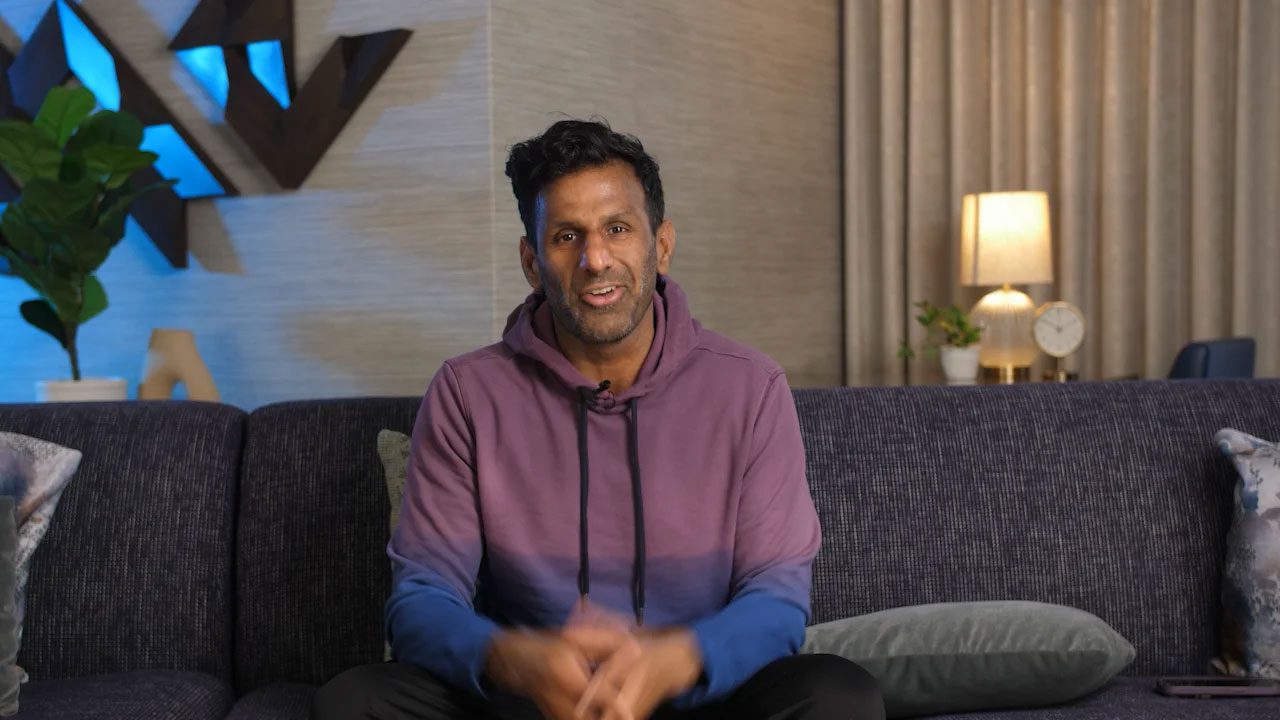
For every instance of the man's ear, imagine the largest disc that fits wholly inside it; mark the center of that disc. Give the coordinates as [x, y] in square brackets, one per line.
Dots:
[528, 263]
[666, 245]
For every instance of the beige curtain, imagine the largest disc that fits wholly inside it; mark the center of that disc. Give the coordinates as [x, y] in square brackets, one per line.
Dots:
[1153, 124]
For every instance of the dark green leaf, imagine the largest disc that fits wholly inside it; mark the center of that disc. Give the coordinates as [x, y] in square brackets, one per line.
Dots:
[89, 248]
[20, 268]
[116, 162]
[55, 202]
[42, 315]
[20, 233]
[95, 299]
[72, 169]
[106, 128]
[115, 208]
[63, 109]
[27, 153]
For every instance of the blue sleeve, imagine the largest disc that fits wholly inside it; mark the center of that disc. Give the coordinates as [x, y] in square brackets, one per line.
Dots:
[430, 627]
[749, 633]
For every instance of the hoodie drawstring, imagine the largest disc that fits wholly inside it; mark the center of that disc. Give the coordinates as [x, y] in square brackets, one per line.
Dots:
[586, 398]
[637, 504]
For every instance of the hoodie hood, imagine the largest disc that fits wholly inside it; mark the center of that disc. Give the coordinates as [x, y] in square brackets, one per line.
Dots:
[530, 333]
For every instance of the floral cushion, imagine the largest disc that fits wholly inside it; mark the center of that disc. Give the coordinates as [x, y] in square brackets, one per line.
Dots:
[1251, 578]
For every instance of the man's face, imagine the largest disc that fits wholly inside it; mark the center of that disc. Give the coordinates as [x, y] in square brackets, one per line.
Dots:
[596, 257]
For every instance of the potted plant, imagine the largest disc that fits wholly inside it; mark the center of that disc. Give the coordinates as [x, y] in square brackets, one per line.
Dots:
[950, 332]
[74, 167]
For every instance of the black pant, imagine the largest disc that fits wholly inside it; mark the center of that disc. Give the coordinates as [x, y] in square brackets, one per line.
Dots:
[812, 687]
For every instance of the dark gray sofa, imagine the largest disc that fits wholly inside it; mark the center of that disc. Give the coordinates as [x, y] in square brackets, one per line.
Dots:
[208, 563]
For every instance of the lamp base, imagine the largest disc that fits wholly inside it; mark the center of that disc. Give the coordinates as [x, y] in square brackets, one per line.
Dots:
[1006, 375]
[1007, 316]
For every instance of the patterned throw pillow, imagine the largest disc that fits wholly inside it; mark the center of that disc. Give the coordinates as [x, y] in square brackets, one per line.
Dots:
[393, 449]
[10, 673]
[1251, 578]
[34, 473]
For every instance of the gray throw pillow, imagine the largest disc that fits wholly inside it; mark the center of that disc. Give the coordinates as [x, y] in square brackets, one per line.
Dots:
[393, 449]
[957, 657]
[10, 673]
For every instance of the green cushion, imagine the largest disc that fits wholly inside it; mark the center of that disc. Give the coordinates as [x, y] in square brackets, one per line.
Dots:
[956, 657]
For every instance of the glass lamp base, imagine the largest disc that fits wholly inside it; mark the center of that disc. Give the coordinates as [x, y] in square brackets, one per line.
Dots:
[1007, 343]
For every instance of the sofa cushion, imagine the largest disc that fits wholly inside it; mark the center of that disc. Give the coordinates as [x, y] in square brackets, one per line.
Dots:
[312, 572]
[142, 695]
[278, 701]
[952, 657]
[1135, 698]
[135, 571]
[1106, 496]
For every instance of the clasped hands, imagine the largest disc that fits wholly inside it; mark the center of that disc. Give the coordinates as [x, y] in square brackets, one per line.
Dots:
[597, 667]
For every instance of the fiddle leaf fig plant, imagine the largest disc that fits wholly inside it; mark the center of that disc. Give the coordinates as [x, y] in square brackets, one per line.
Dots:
[945, 326]
[74, 167]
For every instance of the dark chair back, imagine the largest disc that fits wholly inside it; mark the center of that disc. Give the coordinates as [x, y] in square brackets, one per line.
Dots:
[1226, 358]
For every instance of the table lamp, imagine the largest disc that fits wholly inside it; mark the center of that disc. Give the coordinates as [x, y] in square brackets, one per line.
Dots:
[1004, 240]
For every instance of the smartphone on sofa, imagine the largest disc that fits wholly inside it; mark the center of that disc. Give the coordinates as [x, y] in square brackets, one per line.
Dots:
[1213, 686]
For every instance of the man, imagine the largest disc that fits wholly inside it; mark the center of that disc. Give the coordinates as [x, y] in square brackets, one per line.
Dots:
[606, 513]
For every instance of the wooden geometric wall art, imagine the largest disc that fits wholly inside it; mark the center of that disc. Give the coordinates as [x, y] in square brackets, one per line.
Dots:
[242, 52]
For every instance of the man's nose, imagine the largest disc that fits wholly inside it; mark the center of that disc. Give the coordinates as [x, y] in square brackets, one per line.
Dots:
[595, 254]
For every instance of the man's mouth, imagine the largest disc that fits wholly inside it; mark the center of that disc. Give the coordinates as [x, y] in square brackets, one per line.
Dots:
[602, 295]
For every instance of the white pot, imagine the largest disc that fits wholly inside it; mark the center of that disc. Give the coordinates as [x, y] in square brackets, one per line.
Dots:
[960, 364]
[86, 390]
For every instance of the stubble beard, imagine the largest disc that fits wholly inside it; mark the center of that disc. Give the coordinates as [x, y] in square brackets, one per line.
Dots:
[608, 325]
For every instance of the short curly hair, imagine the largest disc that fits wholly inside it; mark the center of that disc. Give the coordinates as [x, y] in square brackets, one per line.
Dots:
[572, 145]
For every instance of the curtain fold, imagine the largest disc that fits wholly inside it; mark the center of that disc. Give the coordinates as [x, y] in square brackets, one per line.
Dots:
[1153, 124]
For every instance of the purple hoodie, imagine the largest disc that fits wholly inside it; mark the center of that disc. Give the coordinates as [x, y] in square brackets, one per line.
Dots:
[722, 539]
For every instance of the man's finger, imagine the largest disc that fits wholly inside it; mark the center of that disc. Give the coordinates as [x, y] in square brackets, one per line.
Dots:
[602, 691]
[596, 643]
[629, 700]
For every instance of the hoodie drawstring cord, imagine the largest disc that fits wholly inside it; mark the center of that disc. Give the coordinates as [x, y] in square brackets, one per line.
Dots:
[637, 504]
[586, 398]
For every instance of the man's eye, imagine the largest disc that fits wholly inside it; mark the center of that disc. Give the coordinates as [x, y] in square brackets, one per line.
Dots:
[617, 229]
[566, 237]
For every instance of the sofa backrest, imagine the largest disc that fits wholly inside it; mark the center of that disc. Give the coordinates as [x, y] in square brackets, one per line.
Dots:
[1109, 497]
[135, 571]
[312, 569]
[1106, 496]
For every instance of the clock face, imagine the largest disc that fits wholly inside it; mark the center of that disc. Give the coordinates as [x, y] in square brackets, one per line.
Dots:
[1059, 328]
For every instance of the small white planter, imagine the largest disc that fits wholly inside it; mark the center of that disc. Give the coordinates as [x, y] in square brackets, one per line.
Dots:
[960, 364]
[86, 390]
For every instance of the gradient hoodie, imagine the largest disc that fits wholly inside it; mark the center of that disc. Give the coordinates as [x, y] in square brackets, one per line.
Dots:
[679, 501]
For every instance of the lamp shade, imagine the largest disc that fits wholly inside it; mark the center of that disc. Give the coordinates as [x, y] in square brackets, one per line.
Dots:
[1004, 238]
